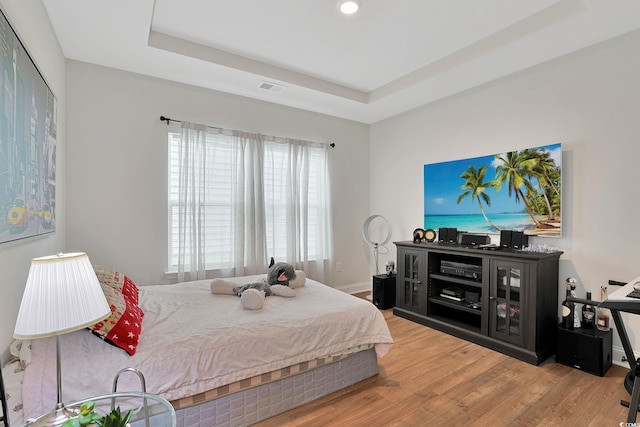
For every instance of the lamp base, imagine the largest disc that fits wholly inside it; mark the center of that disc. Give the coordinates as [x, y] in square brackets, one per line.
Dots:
[57, 417]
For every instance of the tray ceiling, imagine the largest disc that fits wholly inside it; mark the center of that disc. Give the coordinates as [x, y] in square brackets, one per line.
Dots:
[389, 58]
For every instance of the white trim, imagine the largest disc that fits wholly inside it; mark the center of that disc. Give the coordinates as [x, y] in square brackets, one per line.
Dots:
[354, 288]
[617, 355]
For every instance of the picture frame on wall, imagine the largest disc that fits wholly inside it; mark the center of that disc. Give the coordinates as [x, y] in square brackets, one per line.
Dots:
[28, 120]
[519, 190]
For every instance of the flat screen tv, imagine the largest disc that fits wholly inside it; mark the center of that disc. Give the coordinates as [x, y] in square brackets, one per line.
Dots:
[516, 190]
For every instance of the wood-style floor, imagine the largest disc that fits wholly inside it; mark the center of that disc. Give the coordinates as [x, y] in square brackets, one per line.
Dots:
[432, 379]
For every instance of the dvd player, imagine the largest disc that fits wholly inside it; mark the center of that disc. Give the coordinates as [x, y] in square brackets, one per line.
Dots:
[453, 292]
[469, 271]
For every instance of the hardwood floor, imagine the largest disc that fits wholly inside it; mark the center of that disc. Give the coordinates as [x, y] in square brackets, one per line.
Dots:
[432, 379]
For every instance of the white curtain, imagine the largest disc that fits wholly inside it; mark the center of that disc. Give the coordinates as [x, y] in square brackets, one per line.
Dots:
[300, 230]
[191, 198]
[249, 245]
[271, 209]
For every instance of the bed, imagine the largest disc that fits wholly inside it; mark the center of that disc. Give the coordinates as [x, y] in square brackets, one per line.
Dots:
[217, 363]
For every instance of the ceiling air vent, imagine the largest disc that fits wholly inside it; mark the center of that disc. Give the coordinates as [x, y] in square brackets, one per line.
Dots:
[272, 87]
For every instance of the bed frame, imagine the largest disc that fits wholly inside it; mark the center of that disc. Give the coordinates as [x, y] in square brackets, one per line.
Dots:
[255, 404]
[268, 400]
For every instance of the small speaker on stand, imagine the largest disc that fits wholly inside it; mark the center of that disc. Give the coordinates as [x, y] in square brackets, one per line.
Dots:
[384, 291]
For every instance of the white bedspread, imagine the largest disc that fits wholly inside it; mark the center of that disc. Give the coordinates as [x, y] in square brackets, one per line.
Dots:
[193, 341]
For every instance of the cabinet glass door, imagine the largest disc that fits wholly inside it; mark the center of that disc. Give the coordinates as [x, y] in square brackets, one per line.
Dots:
[411, 280]
[507, 302]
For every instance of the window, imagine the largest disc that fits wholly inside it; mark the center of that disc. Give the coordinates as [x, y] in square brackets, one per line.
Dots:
[292, 206]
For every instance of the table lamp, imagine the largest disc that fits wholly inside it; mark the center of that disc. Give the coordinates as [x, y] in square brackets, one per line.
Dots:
[62, 295]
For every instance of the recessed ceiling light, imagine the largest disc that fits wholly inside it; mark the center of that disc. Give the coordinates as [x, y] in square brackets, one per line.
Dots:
[349, 7]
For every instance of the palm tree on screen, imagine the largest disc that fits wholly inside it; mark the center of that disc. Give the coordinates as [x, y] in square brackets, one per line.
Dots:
[515, 170]
[545, 173]
[475, 187]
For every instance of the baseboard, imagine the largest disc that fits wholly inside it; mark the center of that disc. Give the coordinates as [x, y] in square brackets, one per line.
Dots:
[619, 358]
[354, 288]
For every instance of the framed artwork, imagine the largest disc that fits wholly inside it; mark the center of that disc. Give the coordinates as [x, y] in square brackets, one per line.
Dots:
[517, 190]
[27, 143]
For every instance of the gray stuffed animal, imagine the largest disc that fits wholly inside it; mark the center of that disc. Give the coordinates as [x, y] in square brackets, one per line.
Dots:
[258, 286]
[280, 273]
[282, 279]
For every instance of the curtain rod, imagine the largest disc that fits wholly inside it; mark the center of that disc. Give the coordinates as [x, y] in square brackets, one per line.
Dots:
[168, 120]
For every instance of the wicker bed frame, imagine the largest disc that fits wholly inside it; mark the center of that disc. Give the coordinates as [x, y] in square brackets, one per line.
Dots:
[255, 404]
[252, 402]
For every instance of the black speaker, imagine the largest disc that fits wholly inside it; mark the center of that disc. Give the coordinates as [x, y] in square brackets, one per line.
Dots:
[505, 238]
[442, 235]
[586, 349]
[448, 235]
[384, 291]
[519, 240]
[475, 239]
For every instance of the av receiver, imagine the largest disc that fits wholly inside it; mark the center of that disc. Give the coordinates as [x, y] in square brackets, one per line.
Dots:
[469, 271]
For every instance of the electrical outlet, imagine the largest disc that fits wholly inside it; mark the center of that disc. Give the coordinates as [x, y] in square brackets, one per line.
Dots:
[339, 266]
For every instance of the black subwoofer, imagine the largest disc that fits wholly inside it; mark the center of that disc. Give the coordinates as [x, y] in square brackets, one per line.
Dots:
[384, 291]
[586, 349]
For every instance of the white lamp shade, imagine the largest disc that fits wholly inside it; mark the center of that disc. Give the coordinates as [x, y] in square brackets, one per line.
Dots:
[62, 294]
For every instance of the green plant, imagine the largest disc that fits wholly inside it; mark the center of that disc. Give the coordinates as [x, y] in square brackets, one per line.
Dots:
[86, 416]
[115, 418]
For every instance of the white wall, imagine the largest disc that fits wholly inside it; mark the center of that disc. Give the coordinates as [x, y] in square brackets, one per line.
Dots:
[112, 201]
[589, 101]
[31, 22]
[117, 163]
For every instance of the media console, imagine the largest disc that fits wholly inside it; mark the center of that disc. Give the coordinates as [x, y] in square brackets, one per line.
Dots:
[502, 299]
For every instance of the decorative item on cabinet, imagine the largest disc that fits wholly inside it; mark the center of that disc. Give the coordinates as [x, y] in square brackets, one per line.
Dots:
[429, 235]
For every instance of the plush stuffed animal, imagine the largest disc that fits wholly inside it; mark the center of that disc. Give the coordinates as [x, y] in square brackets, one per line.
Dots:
[281, 280]
[280, 273]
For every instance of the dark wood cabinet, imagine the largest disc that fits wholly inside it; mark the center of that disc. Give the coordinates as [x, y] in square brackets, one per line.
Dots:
[503, 299]
[411, 281]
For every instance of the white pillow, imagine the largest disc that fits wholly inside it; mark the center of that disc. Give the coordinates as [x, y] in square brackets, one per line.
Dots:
[12, 373]
[22, 350]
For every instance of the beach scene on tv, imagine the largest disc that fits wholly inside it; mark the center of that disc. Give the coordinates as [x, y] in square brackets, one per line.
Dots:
[517, 190]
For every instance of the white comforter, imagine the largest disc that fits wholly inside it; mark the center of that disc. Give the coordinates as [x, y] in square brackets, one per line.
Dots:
[193, 341]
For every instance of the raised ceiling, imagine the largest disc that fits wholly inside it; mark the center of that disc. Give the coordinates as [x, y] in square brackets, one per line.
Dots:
[393, 56]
